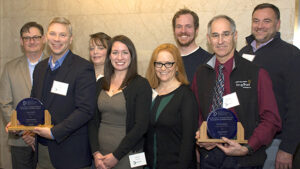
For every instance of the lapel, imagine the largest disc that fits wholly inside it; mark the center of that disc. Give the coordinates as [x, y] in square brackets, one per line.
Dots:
[64, 70]
[25, 72]
[42, 73]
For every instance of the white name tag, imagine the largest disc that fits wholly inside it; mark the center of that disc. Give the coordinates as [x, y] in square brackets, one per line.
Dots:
[137, 160]
[248, 57]
[60, 88]
[230, 100]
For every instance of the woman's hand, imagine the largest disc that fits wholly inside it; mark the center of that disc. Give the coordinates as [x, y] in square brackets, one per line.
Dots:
[98, 157]
[110, 160]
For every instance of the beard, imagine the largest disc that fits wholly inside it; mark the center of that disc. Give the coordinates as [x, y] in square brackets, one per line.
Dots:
[265, 38]
[186, 44]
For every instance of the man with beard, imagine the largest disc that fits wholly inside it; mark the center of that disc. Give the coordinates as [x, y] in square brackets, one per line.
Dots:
[186, 26]
[281, 59]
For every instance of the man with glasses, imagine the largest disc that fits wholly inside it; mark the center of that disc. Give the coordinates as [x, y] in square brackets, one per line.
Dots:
[282, 60]
[185, 28]
[228, 74]
[15, 85]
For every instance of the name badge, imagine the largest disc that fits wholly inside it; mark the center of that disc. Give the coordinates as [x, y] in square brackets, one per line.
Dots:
[248, 57]
[137, 160]
[60, 88]
[230, 100]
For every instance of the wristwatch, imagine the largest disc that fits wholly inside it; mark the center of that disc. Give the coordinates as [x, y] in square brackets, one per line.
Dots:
[250, 149]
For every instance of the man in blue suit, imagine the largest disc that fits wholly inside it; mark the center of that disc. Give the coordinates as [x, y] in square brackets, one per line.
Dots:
[65, 83]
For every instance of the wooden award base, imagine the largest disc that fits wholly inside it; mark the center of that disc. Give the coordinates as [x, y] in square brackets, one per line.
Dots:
[205, 139]
[16, 127]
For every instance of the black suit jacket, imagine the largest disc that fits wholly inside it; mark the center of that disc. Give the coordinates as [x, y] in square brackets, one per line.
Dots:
[69, 113]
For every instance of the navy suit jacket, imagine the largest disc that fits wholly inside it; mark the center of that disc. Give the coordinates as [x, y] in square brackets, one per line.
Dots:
[69, 113]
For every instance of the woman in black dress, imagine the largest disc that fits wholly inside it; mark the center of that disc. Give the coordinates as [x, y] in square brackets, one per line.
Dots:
[170, 142]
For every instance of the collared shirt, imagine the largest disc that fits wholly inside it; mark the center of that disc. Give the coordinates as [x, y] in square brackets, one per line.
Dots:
[228, 65]
[253, 44]
[54, 66]
[31, 66]
[226, 71]
[58, 63]
[268, 111]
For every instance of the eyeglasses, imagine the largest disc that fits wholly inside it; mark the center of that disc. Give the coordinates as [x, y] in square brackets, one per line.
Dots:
[224, 35]
[34, 38]
[167, 64]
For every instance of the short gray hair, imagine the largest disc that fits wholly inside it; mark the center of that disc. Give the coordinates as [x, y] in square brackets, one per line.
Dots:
[231, 21]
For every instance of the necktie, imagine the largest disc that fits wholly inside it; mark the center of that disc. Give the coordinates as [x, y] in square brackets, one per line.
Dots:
[219, 89]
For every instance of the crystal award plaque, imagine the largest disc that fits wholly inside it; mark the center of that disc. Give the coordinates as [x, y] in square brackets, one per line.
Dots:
[30, 113]
[221, 123]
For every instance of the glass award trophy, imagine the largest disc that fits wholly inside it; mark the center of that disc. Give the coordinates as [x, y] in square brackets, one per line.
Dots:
[221, 123]
[30, 113]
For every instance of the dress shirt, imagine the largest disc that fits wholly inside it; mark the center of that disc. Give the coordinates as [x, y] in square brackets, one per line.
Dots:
[264, 132]
[58, 63]
[253, 44]
[31, 66]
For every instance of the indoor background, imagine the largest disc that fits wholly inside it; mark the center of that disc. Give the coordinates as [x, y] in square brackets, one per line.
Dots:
[146, 22]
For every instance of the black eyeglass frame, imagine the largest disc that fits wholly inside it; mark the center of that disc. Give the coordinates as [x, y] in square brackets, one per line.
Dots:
[34, 38]
[167, 64]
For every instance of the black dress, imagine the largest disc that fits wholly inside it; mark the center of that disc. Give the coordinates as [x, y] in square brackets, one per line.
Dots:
[170, 142]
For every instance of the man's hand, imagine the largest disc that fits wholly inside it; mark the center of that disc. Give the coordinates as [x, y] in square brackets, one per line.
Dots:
[207, 146]
[6, 127]
[110, 160]
[284, 160]
[232, 148]
[13, 131]
[43, 132]
[29, 139]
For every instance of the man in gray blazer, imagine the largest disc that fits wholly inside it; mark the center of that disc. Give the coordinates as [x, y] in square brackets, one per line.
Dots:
[15, 85]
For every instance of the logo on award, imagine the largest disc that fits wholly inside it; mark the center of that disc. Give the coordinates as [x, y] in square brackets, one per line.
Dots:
[29, 113]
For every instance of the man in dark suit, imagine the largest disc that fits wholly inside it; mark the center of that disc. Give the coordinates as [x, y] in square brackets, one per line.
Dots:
[66, 85]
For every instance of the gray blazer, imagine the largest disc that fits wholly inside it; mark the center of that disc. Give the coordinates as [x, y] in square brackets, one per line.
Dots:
[15, 85]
